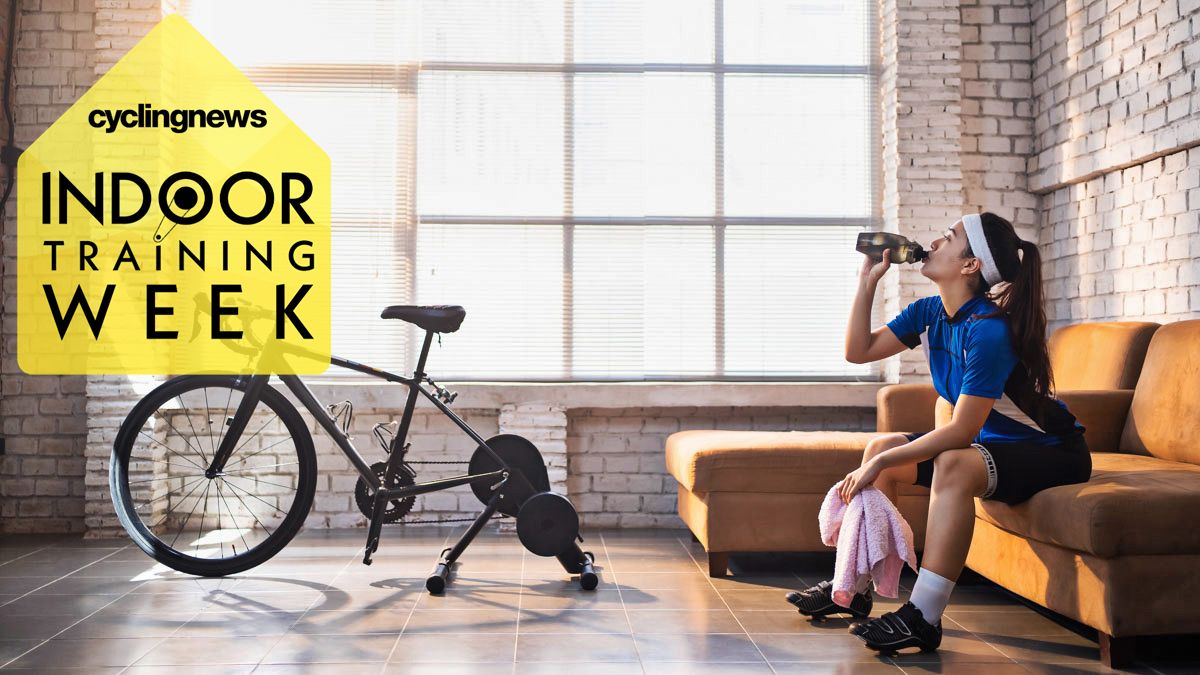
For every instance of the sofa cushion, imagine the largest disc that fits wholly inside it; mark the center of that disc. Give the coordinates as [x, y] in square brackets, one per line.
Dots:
[1105, 355]
[802, 462]
[1131, 506]
[1164, 418]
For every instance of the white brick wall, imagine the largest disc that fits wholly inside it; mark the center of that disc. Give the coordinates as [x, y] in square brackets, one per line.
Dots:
[920, 83]
[1113, 85]
[1126, 245]
[1116, 122]
[42, 472]
[997, 112]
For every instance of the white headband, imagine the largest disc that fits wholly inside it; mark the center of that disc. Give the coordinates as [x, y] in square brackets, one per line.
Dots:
[974, 227]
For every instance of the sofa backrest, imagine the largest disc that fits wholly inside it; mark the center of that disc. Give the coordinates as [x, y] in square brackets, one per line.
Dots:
[1164, 418]
[1105, 355]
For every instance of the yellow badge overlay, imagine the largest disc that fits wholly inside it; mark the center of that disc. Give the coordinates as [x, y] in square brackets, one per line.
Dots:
[173, 221]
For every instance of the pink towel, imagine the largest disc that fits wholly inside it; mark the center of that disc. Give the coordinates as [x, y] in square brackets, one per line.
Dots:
[871, 538]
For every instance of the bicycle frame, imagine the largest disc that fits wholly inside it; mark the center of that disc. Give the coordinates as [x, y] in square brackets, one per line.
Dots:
[256, 383]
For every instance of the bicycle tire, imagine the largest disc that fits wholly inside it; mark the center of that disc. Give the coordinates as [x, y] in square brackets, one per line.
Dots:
[151, 543]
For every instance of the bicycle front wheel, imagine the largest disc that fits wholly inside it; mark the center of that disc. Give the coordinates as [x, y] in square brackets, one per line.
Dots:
[202, 521]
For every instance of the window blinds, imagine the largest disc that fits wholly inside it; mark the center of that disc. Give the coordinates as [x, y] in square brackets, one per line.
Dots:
[613, 189]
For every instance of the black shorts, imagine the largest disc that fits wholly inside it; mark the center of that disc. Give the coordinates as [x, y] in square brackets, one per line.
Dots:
[1017, 471]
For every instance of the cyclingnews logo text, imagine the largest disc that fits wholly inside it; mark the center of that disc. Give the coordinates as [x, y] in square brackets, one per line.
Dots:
[146, 116]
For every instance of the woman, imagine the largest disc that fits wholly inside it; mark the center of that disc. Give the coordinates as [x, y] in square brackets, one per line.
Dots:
[984, 337]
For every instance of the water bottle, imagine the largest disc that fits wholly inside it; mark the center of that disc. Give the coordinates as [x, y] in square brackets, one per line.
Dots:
[903, 249]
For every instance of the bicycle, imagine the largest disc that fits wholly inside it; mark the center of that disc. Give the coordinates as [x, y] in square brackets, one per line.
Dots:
[260, 499]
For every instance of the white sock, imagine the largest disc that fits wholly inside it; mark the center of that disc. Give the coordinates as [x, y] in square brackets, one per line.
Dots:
[930, 594]
[860, 585]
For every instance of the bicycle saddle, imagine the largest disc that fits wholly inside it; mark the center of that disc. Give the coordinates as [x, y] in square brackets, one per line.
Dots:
[437, 318]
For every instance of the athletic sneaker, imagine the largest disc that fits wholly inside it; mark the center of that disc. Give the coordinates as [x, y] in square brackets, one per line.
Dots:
[818, 603]
[905, 627]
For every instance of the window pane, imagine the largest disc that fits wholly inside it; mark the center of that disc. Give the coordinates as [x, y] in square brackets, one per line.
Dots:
[490, 143]
[789, 32]
[369, 163]
[643, 299]
[509, 279]
[506, 31]
[788, 294]
[275, 32]
[797, 146]
[644, 144]
[636, 31]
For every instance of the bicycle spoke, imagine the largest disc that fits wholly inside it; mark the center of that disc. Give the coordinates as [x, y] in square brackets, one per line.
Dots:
[168, 448]
[212, 445]
[185, 440]
[274, 416]
[191, 482]
[260, 468]
[240, 533]
[266, 482]
[189, 515]
[148, 480]
[259, 452]
[187, 413]
[233, 487]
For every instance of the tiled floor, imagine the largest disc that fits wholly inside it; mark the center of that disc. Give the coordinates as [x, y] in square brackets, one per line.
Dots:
[104, 607]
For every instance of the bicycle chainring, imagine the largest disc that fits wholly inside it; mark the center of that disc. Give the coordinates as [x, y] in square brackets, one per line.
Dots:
[397, 508]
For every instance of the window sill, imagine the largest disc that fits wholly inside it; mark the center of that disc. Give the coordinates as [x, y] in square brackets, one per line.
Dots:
[487, 395]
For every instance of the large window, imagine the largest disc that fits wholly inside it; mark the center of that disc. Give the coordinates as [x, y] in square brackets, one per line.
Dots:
[614, 190]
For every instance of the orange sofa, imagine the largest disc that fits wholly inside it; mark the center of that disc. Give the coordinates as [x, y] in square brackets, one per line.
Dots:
[752, 491]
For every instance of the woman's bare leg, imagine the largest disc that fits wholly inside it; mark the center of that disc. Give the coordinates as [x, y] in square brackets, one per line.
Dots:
[889, 478]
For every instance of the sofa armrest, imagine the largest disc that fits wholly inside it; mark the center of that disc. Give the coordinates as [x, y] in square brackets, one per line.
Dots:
[1102, 413]
[905, 407]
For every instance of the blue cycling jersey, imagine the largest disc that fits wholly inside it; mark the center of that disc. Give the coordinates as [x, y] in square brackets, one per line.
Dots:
[972, 355]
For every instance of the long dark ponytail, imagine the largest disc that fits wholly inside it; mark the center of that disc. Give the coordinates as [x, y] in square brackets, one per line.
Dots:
[1020, 299]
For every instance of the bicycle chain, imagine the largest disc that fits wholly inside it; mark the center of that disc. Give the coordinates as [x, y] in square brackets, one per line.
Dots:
[448, 520]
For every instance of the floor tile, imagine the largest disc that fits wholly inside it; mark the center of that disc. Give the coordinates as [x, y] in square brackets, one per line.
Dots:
[575, 648]
[444, 648]
[12, 648]
[551, 668]
[693, 647]
[34, 627]
[693, 668]
[657, 621]
[785, 621]
[331, 649]
[244, 669]
[317, 669]
[204, 651]
[238, 624]
[354, 622]
[36, 604]
[86, 653]
[687, 598]
[659, 581]
[534, 621]
[20, 585]
[106, 624]
[572, 599]
[503, 620]
[855, 668]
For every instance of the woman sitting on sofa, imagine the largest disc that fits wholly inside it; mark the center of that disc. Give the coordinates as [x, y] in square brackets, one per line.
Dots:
[984, 337]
